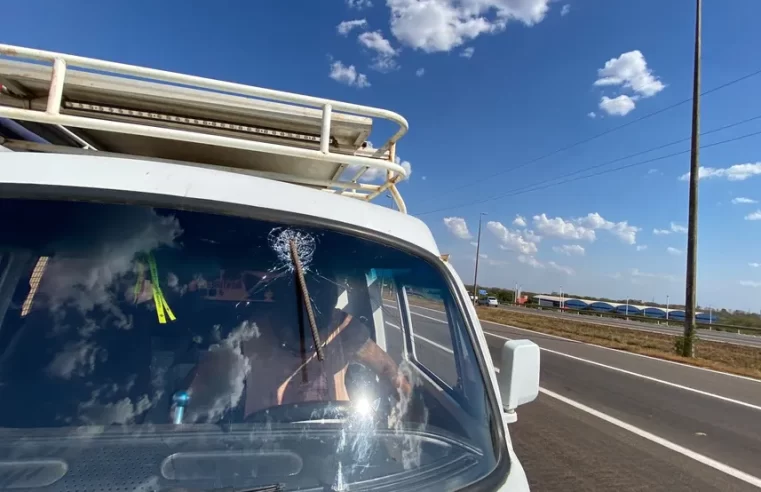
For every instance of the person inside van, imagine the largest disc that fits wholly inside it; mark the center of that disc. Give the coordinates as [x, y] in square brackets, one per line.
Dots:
[279, 359]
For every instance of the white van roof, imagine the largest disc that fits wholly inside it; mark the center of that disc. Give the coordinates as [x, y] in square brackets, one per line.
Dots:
[92, 106]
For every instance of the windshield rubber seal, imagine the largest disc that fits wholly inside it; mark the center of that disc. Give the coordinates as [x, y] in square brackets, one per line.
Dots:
[47, 192]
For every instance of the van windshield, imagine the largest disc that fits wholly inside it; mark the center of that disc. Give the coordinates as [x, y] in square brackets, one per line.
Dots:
[160, 349]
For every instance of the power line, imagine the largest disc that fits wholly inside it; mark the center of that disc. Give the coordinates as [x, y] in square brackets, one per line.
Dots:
[606, 132]
[545, 184]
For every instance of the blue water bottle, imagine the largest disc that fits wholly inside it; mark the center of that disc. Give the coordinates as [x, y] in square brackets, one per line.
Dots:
[181, 400]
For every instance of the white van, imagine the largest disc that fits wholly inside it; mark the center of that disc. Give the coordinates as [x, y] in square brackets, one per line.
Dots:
[196, 293]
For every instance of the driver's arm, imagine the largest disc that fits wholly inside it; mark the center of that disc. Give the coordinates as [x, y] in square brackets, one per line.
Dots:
[379, 361]
[370, 354]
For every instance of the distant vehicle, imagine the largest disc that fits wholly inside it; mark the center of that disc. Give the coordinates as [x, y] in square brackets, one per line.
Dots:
[184, 260]
[489, 301]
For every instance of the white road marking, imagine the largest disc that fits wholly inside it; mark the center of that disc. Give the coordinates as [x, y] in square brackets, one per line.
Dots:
[625, 371]
[738, 376]
[428, 317]
[700, 458]
[619, 352]
[645, 327]
[437, 345]
[705, 460]
[642, 376]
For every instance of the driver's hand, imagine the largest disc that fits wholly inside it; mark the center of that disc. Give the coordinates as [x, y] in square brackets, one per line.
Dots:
[404, 384]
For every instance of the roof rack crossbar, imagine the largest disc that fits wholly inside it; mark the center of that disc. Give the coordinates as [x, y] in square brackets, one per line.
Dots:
[378, 160]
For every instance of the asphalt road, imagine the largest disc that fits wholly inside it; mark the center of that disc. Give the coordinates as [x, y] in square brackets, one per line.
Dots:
[607, 420]
[674, 328]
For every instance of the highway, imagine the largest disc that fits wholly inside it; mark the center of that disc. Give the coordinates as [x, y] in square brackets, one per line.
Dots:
[608, 420]
[674, 328]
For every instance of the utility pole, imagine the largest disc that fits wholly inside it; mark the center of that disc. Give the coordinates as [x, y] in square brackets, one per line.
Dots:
[667, 310]
[478, 254]
[688, 340]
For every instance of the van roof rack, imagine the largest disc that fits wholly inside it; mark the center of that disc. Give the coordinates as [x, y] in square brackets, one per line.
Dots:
[84, 105]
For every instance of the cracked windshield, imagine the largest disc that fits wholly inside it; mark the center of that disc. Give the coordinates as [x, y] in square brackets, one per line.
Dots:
[128, 326]
[380, 245]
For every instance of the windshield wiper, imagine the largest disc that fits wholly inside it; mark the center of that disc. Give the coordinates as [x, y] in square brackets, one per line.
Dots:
[299, 272]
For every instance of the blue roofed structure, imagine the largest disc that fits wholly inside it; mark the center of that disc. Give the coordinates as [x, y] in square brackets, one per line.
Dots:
[617, 308]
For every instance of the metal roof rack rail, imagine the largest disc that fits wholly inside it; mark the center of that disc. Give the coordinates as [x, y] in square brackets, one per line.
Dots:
[89, 105]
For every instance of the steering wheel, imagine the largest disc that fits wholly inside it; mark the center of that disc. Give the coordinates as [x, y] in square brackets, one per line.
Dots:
[302, 412]
[369, 397]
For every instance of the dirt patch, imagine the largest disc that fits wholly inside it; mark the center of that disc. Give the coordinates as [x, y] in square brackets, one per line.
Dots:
[736, 359]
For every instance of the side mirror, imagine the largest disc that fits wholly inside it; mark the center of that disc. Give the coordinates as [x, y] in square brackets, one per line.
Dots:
[519, 376]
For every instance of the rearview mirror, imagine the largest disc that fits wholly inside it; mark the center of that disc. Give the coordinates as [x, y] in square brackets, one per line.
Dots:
[519, 376]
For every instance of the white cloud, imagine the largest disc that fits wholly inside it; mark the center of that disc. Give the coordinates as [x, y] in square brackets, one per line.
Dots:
[519, 221]
[473, 243]
[741, 200]
[569, 249]
[679, 229]
[565, 10]
[420, 72]
[583, 228]
[652, 171]
[661, 276]
[754, 216]
[468, 52]
[441, 25]
[641, 247]
[622, 230]
[348, 75]
[673, 228]
[359, 4]
[529, 235]
[618, 106]
[511, 240]
[560, 268]
[738, 172]
[563, 229]
[750, 283]
[458, 227]
[754, 265]
[120, 412]
[385, 54]
[76, 358]
[674, 251]
[231, 369]
[592, 114]
[531, 261]
[630, 71]
[346, 27]
[406, 165]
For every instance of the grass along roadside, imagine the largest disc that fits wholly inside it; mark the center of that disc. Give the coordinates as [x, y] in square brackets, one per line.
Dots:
[735, 359]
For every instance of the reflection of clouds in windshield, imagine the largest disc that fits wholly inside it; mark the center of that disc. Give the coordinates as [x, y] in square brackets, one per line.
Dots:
[401, 421]
[122, 411]
[228, 370]
[76, 359]
[84, 282]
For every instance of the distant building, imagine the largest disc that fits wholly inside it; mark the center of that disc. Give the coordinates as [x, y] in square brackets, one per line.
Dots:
[617, 308]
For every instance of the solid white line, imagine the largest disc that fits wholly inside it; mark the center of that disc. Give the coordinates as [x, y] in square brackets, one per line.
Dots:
[754, 380]
[428, 317]
[705, 460]
[717, 465]
[738, 376]
[439, 346]
[654, 329]
[642, 376]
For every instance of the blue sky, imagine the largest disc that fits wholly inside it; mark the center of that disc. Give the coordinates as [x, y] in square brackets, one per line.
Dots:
[536, 70]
